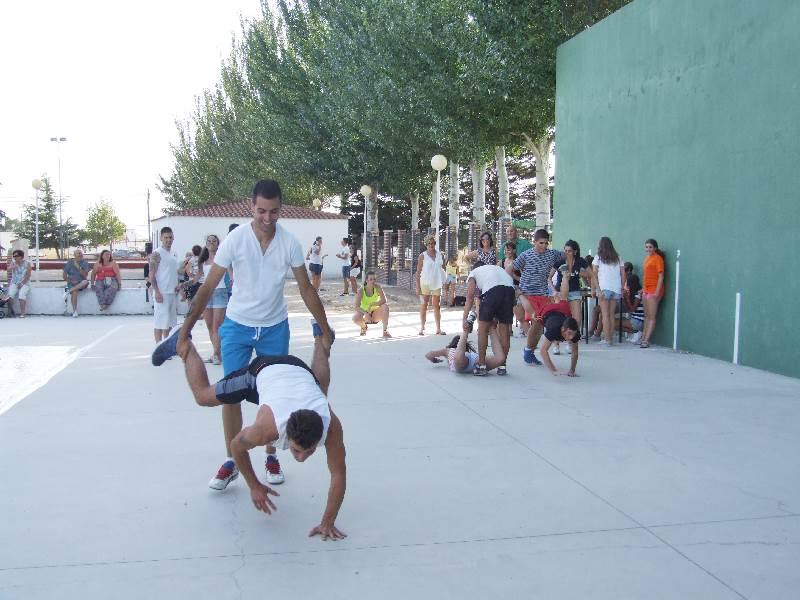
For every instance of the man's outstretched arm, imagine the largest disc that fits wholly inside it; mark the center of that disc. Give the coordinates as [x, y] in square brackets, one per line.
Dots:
[259, 433]
[334, 447]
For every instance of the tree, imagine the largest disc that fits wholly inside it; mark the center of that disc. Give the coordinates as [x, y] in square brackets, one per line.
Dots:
[102, 225]
[49, 230]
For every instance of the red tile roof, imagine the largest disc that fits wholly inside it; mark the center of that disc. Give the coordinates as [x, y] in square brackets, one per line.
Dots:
[242, 209]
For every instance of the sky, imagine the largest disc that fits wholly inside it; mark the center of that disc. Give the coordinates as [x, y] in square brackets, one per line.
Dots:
[112, 78]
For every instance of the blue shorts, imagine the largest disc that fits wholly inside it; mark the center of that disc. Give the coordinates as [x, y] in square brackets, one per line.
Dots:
[238, 342]
[315, 269]
[574, 295]
[219, 298]
[346, 271]
[450, 279]
[611, 295]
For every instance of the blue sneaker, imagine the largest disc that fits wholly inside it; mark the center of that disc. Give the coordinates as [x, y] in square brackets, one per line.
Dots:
[317, 331]
[166, 349]
[529, 357]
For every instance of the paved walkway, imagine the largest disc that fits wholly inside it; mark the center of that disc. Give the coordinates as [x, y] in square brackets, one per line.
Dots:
[653, 475]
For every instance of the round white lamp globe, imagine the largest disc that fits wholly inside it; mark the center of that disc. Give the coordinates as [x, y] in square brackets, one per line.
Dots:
[438, 162]
[365, 190]
[36, 184]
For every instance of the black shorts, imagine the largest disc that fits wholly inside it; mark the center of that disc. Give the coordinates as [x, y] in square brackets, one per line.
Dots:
[241, 385]
[315, 268]
[498, 303]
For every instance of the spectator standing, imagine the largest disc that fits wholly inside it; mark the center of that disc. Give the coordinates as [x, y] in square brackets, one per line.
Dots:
[315, 258]
[430, 277]
[164, 281]
[106, 279]
[652, 289]
[609, 279]
[355, 268]
[344, 256]
[572, 268]
[520, 245]
[76, 273]
[214, 314]
[19, 279]
[450, 281]
[536, 268]
[485, 253]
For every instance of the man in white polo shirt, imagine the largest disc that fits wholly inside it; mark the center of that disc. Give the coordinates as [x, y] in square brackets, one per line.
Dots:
[497, 303]
[257, 318]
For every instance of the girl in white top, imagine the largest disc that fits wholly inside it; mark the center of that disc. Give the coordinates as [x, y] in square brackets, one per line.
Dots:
[430, 277]
[314, 257]
[607, 282]
[214, 314]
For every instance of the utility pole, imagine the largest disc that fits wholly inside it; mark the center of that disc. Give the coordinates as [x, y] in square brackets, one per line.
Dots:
[61, 240]
[149, 233]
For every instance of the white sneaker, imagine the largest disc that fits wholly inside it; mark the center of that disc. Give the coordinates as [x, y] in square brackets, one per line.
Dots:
[227, 473]
[75, 314]
[274, 472]
[603, 342]
[636, 338]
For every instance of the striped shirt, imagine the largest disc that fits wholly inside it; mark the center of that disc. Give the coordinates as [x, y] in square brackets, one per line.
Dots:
[535, 266]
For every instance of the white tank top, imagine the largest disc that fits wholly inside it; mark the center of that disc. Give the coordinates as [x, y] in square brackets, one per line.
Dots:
[432, 274]
[287, 388]
[167, 273]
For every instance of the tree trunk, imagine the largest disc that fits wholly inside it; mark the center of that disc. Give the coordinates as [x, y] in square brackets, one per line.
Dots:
[372, 221]
[453, 202]
[541, 152]
[504, 206]
[415, 210]
[478, 172]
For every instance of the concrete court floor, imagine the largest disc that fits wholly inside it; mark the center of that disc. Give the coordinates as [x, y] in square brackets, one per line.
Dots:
[653, 475]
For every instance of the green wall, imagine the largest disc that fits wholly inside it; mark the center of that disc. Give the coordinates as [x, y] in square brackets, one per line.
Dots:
[680, 121]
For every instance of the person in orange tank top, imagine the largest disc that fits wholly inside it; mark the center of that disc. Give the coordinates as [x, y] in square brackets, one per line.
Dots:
[652, 288]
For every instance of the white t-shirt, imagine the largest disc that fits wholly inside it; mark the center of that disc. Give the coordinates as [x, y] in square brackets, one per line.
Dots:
[287, 388]
[345, 251]
[167, 273]
[315, 258]
[488, 276]
[258, 278]
[608, 277]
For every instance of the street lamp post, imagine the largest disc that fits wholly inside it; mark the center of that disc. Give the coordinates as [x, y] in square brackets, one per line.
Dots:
[37, 185]
[366, 191]
[438, 163]
[61, 241]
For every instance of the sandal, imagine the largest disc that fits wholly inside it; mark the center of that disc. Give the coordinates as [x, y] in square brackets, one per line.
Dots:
[644, 345]
[480, 371]
[386, 334]
[363, 330]
[501, 370]
[440, 333]
[421, 332]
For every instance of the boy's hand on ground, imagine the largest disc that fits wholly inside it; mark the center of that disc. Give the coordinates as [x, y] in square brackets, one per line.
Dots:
[260, 495]
[327, 531]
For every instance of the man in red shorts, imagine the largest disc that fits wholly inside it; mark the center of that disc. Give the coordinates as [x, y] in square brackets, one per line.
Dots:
[536, 267]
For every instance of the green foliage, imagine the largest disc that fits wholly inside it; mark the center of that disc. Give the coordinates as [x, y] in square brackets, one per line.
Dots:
[325, 96]
[102, 225]
[50, 234]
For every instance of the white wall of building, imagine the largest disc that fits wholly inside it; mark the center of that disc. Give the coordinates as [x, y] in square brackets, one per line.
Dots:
[193, 230]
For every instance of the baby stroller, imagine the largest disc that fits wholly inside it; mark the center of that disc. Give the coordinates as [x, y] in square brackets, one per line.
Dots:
[5, 300]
